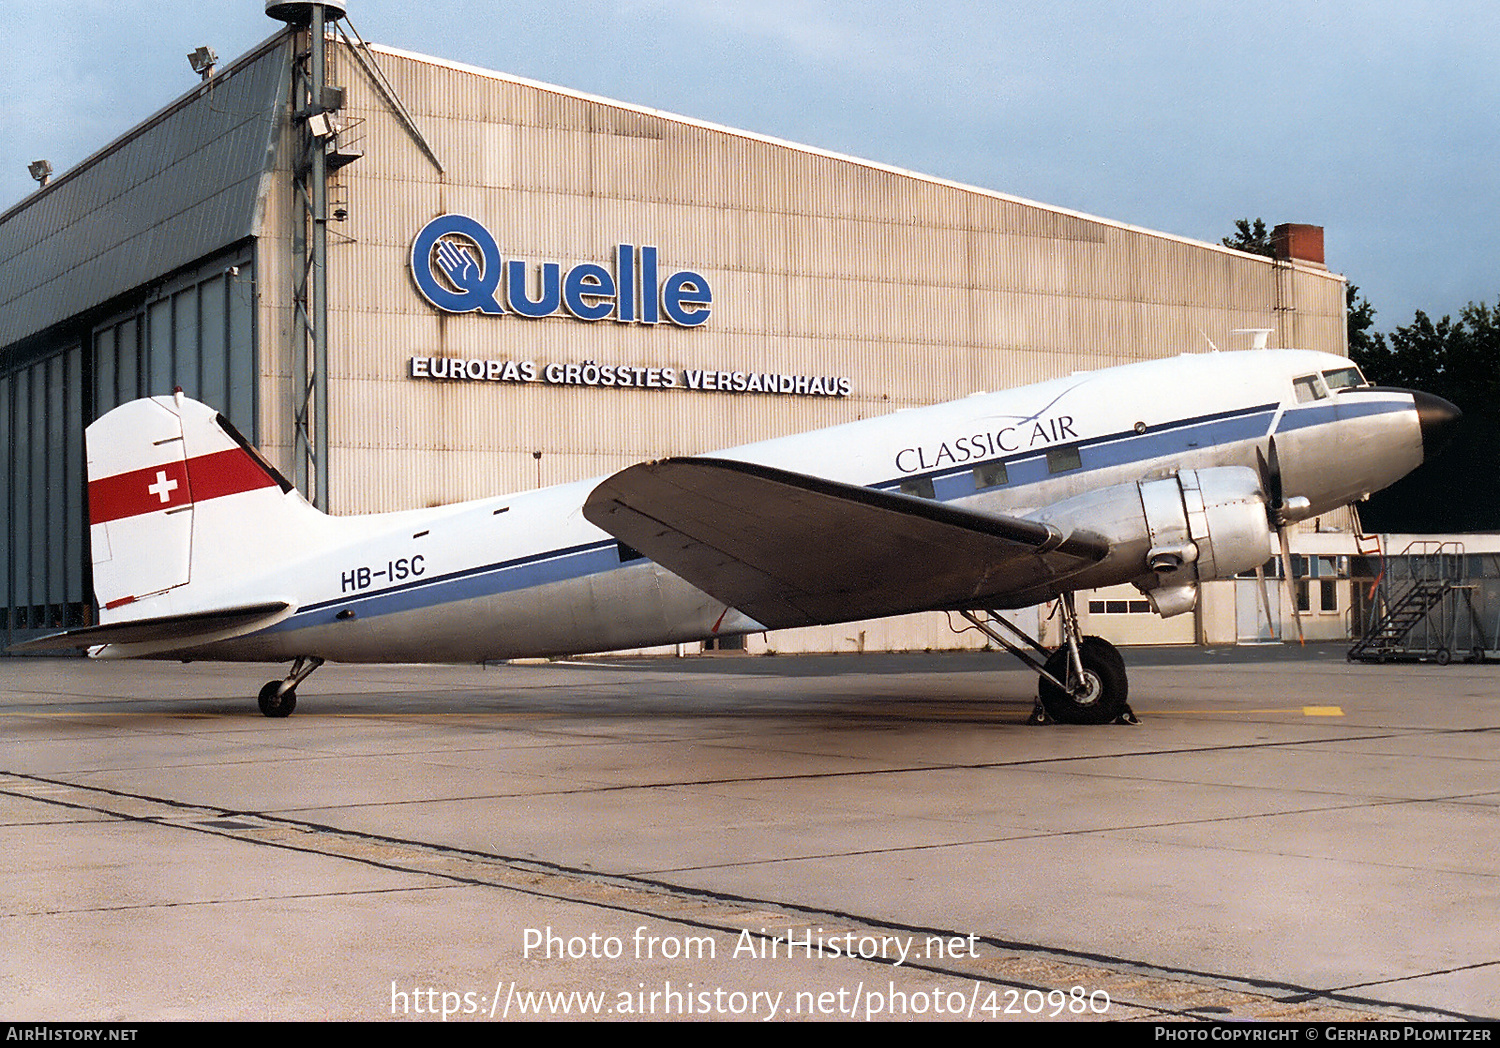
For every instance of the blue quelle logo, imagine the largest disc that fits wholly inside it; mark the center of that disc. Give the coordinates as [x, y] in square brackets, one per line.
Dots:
[457, 266]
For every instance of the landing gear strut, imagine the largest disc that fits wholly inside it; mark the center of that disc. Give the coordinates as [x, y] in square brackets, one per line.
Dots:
[1082, 681]
[279, 697]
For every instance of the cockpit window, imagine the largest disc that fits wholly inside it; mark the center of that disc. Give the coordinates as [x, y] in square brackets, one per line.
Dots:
[1309, 388]
[1344, 378]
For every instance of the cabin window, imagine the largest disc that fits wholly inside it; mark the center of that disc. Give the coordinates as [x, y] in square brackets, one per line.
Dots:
[918, 487]
[990, 475]
[1344, 378]
[1060, 460]
[1308, 388]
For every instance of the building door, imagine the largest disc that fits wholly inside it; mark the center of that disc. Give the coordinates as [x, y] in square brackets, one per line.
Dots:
[1254, 625]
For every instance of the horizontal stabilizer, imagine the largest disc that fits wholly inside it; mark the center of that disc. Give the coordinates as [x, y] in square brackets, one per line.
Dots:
[173, 630]
[793, 550]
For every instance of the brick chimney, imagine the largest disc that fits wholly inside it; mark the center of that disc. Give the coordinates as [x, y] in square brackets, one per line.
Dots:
[1298, 243]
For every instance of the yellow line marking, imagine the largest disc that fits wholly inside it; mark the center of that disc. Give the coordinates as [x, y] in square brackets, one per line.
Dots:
[1322, 711]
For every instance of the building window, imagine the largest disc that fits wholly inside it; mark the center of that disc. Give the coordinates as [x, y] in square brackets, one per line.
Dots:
[1119, 607]
[1271, 569]
[1331, 567]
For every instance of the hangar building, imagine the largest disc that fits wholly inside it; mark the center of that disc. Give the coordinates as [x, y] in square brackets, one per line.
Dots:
[631, 284]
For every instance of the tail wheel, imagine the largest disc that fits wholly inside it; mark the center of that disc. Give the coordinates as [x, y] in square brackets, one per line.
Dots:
[1100, 697]
[277, 703]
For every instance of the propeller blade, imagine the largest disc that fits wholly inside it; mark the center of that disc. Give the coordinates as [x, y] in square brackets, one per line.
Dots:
[1268, 465]
[1270, 475]
[1289, 583]
[1265, 598]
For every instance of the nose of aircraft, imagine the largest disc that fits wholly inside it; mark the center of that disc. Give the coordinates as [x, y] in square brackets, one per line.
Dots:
[1437, 418]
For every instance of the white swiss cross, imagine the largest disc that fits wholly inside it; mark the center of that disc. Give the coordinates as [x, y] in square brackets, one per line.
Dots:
[163, 487]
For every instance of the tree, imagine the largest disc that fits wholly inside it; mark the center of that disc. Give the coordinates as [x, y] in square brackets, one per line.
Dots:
[1455, 489]
[1361, 318]
[1251, 237]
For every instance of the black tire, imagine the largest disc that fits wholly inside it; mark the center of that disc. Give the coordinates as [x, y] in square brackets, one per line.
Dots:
[1104, 671]
[277, 705]
[1443, 657]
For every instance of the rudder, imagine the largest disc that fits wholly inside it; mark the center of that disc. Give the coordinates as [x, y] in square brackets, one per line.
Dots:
[161, 472]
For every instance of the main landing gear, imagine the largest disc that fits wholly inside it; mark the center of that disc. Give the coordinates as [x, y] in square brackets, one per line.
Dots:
[1082, 681]
[279, 697]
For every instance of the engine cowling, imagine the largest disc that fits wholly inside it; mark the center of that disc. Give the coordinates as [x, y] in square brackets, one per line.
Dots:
[1179, 530]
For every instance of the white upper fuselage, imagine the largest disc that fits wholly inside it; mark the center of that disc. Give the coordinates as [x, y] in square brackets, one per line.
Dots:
[526, 574]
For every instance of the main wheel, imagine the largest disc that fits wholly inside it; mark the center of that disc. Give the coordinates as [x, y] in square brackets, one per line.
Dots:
[276, 703]
[1099, 698]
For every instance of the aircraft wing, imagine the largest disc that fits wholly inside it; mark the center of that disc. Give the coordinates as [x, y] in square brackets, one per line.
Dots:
[794, 550]
[166, 631]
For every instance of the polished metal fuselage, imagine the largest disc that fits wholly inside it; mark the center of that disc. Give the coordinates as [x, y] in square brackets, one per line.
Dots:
[526, 575]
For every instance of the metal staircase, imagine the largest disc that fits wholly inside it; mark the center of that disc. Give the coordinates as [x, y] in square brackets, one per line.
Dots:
[1422, 593]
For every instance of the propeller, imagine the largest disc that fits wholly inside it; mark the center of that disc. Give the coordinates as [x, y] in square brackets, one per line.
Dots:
[1282, 513]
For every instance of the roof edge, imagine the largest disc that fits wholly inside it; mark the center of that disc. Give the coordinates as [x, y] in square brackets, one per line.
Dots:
[875, 165]
[235, 67]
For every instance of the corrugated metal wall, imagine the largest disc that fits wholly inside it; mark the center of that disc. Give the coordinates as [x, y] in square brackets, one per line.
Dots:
[917, 290]
[128, 276]
[196, 332]
[177, 188]
[41, 499]
[913, 289]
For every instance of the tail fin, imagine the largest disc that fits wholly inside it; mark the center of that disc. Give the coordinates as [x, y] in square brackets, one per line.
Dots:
[171, 484]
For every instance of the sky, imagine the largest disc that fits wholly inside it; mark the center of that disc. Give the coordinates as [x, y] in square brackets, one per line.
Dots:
[1375, 120]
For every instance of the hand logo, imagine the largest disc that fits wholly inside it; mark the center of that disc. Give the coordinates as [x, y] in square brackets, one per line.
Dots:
[475, 279]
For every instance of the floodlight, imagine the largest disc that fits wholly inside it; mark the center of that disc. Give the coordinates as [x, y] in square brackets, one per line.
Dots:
[203, 61]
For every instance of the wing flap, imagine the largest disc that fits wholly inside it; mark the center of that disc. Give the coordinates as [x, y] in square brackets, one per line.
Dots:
[794, 550]
[169, 631]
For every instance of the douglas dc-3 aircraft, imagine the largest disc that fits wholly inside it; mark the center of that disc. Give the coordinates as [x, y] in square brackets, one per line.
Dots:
[1164, 474]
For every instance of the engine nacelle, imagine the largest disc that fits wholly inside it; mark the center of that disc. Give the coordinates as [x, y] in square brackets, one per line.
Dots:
[1178, 531]
[1217, 515]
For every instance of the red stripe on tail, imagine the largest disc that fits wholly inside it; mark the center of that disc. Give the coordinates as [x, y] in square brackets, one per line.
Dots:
[172, 485]
[226, 473]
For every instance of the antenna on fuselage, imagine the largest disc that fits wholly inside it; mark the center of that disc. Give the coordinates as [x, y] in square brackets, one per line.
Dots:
[1208, 340]
[1258, 336]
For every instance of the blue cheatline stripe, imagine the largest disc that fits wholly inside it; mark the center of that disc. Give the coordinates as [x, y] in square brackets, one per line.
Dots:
[1113, 449]
[1127, 447]
[1322, 412]
[1116, 449]
[537, 569]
